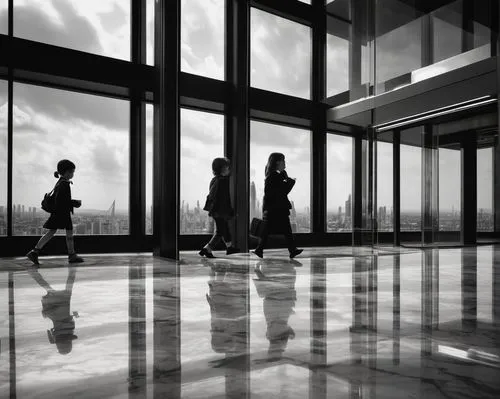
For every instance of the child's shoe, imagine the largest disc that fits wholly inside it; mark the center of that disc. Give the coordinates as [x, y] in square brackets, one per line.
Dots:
[74, 258]
[205, 252]
[33, 256]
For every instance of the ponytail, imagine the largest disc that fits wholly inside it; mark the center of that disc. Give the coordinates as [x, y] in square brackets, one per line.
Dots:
[56, 175]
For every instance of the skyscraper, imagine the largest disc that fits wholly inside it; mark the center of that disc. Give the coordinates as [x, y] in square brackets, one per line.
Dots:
[348, 207]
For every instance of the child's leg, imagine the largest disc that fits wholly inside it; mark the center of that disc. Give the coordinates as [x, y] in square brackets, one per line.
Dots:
[44, 240]
[70, 242]
[216, 237]
[226, 234]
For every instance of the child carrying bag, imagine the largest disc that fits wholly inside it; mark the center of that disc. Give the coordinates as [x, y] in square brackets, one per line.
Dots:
[258, 227]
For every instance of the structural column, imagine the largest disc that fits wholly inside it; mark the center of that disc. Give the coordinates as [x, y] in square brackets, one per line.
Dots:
[396, 190]
[166, 140]
[469, 288]
[318, 89]
[469, 188]
[137, 188]
[237, 140]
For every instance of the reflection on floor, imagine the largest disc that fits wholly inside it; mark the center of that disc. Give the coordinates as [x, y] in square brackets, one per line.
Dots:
[335, 323]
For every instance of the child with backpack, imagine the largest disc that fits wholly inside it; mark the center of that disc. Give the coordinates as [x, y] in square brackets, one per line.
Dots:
[60, 205]
[219, 207]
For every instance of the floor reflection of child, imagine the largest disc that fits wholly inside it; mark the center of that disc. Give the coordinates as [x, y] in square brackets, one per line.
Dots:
[56, 305]
[277, 288]
[228, 309]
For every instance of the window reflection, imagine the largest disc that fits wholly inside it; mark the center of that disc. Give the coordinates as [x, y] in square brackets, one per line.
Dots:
[339, 183]
[100, 27]
[280, 55]
[202, 140]
[93, 132]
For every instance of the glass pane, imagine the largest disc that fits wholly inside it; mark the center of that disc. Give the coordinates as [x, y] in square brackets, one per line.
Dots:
[339, 183]
[447, 27]
[3, 157]
[384, 186]
[95, 26]
[149, 168]
[4, 334]
[280, 55]
[411, 172]
[485, 189]
[305, 1]
[337, 52]
[449, 190]
[4, 17]
[295, 144]
[202, 140]
[91, 131]
[150, 32]
[203, 37]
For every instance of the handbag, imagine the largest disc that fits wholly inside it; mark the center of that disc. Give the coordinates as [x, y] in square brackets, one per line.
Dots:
[49, 202]
[258, 227]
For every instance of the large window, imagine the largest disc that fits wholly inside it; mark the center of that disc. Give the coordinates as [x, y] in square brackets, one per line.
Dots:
[337, 52]
[3, 158]
[149, 168]
[280, 55]
[150, 32]
[4, 17]
[91, 131]
[339, 183]
[295, 144]
[95, 26]
[202, 140]
[385, 184]
[485, 189]
[449, 190]
[203, 37]
[411, 179]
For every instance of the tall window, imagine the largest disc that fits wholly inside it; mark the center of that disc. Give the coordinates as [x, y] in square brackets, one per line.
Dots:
[202, 140]
[150, 32]
[295, 144]
[149, 168]
[449, 190]
[339, 183]
[337, 52]
[485, 189]
[280, 55]
[411, 179]
[3, 157]
[4, 17]
[203, 37]
[100, 27]
[91, 131]
[385, 184]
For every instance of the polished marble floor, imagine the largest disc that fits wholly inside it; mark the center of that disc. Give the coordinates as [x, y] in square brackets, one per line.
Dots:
[335, 323]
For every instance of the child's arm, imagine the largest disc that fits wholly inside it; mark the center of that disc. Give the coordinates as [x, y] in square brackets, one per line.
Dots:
[63, 198]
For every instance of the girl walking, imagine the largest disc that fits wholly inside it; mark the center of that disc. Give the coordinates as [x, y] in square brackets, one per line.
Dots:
[276, 206]
[219, 208]
[61, 217]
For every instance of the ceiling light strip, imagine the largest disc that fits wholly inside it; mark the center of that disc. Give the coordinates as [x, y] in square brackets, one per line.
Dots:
[438, 112]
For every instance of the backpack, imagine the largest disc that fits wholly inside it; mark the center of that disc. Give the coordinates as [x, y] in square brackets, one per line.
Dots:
[49, 201]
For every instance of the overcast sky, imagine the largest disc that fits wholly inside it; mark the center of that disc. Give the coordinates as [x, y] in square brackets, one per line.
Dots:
[51, 124]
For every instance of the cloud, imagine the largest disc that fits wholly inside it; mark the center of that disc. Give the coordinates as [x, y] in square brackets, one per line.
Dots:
[69, 30]
[280, 54]
[65, 105]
